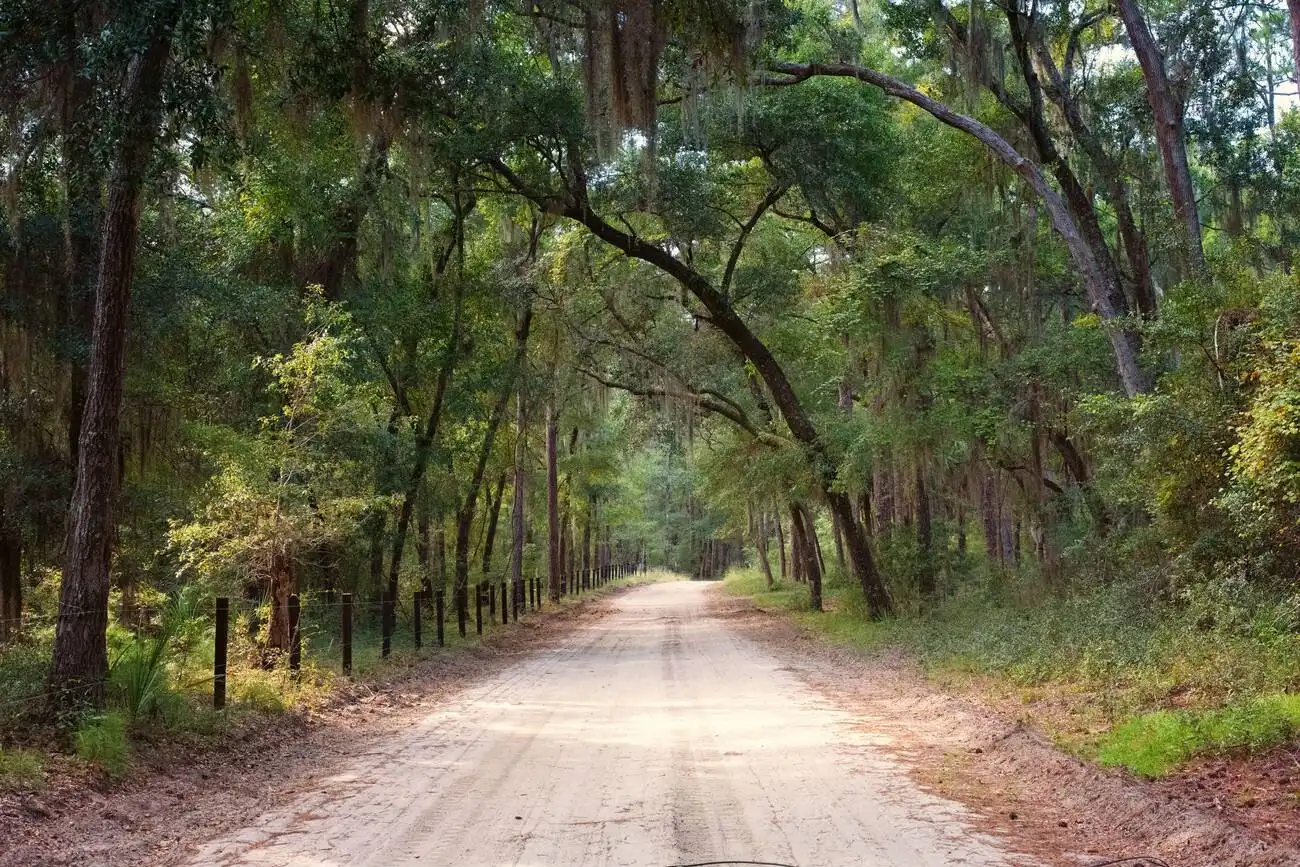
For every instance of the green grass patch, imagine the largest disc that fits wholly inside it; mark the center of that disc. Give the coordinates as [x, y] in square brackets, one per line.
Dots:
[1156, 743]
[101, 740]
[784, 595]
[1097, 667]
[20, 770]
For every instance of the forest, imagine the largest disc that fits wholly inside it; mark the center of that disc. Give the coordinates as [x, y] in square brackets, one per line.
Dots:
[971, 328]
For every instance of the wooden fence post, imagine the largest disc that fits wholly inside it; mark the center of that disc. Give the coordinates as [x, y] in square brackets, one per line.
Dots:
[478, 608]
[440, 615]
[386, 623]
[505, 603]
[219, 656]
[416, 625]
[346, 614]
[295, 635]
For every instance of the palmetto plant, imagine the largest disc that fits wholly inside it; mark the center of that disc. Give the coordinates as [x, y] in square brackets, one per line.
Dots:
[140, 676]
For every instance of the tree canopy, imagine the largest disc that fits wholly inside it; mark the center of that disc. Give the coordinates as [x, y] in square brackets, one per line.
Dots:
[303, 296]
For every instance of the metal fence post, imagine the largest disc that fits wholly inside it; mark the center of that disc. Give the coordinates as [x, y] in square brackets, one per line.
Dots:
[219, 656]
[295, 636]
[347, 633]
[478, 608]
[440, 614]
[386, 626]
[416, 625]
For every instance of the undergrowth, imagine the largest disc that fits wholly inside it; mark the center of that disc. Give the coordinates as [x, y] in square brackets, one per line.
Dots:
[160, 678]
[1109, 674]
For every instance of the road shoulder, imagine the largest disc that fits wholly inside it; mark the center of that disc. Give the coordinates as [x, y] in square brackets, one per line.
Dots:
[178, 798]
[1048, 804]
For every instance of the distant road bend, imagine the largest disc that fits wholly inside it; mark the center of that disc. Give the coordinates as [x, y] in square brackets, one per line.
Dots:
[656, 736]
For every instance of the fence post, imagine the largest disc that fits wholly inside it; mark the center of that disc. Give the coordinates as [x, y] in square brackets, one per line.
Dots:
[219, 656]
[515, 596]
[386, 626]
[440, 614]
[505, 603]
[478, 608]
[347, 633]
[295, 636]
[415, 620]
[492, 600]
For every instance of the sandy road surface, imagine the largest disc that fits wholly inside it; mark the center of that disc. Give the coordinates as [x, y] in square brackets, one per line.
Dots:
[656, 736]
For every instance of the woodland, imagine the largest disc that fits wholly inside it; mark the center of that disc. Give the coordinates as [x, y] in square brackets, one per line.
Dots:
[973, 325]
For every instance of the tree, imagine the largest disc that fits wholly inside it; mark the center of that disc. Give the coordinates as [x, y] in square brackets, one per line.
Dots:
[80, 661]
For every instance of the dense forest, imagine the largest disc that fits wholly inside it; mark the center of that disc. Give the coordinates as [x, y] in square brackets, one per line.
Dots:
[986, 304]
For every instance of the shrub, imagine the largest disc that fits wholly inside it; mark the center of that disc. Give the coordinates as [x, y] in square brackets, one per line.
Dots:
[101, 740]
[20, 769]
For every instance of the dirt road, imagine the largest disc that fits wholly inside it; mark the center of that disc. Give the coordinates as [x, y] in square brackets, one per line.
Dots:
[656, 736]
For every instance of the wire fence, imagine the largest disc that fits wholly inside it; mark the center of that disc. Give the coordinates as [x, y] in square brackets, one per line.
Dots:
[333, 626]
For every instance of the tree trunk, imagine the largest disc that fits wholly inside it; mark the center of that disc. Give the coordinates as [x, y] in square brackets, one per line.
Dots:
[283, 583]
[1293, 9]
[780, 547]
[724, 318]
[586, 541]
[80, 657]
[440, 552]
[465, 519]
[82, 181]
[552, 504]
[424, 446]
[802, 523]
[1124, 340]
[1171, 138]
[494, 515]
[11, 579]
[517, 494]
[760, 547]
[924, 536]
[423, 545]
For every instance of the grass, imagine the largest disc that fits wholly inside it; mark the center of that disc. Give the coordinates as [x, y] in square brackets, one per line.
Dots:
[101, 740]
[1157, 743]
[1110, 676]
[160, 683]
[20, 770]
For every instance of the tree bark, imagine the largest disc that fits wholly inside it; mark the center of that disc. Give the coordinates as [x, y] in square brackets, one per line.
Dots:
[806, 535]
[759, 525]
[281, 584]
[11, 578]
[1171, 137]
[494, 514]
[552, 504]
[80, 657]
[82, 181]
[517, 493]
[1293, 10]
[780, 547]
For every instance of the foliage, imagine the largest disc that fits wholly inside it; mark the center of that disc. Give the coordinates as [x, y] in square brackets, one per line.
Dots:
[101, 739]
[20, 770]
[1156, 743]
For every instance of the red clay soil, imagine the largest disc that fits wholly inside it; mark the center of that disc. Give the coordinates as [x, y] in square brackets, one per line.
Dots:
[1052, 806]
[178, 794]
[1258, 793]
